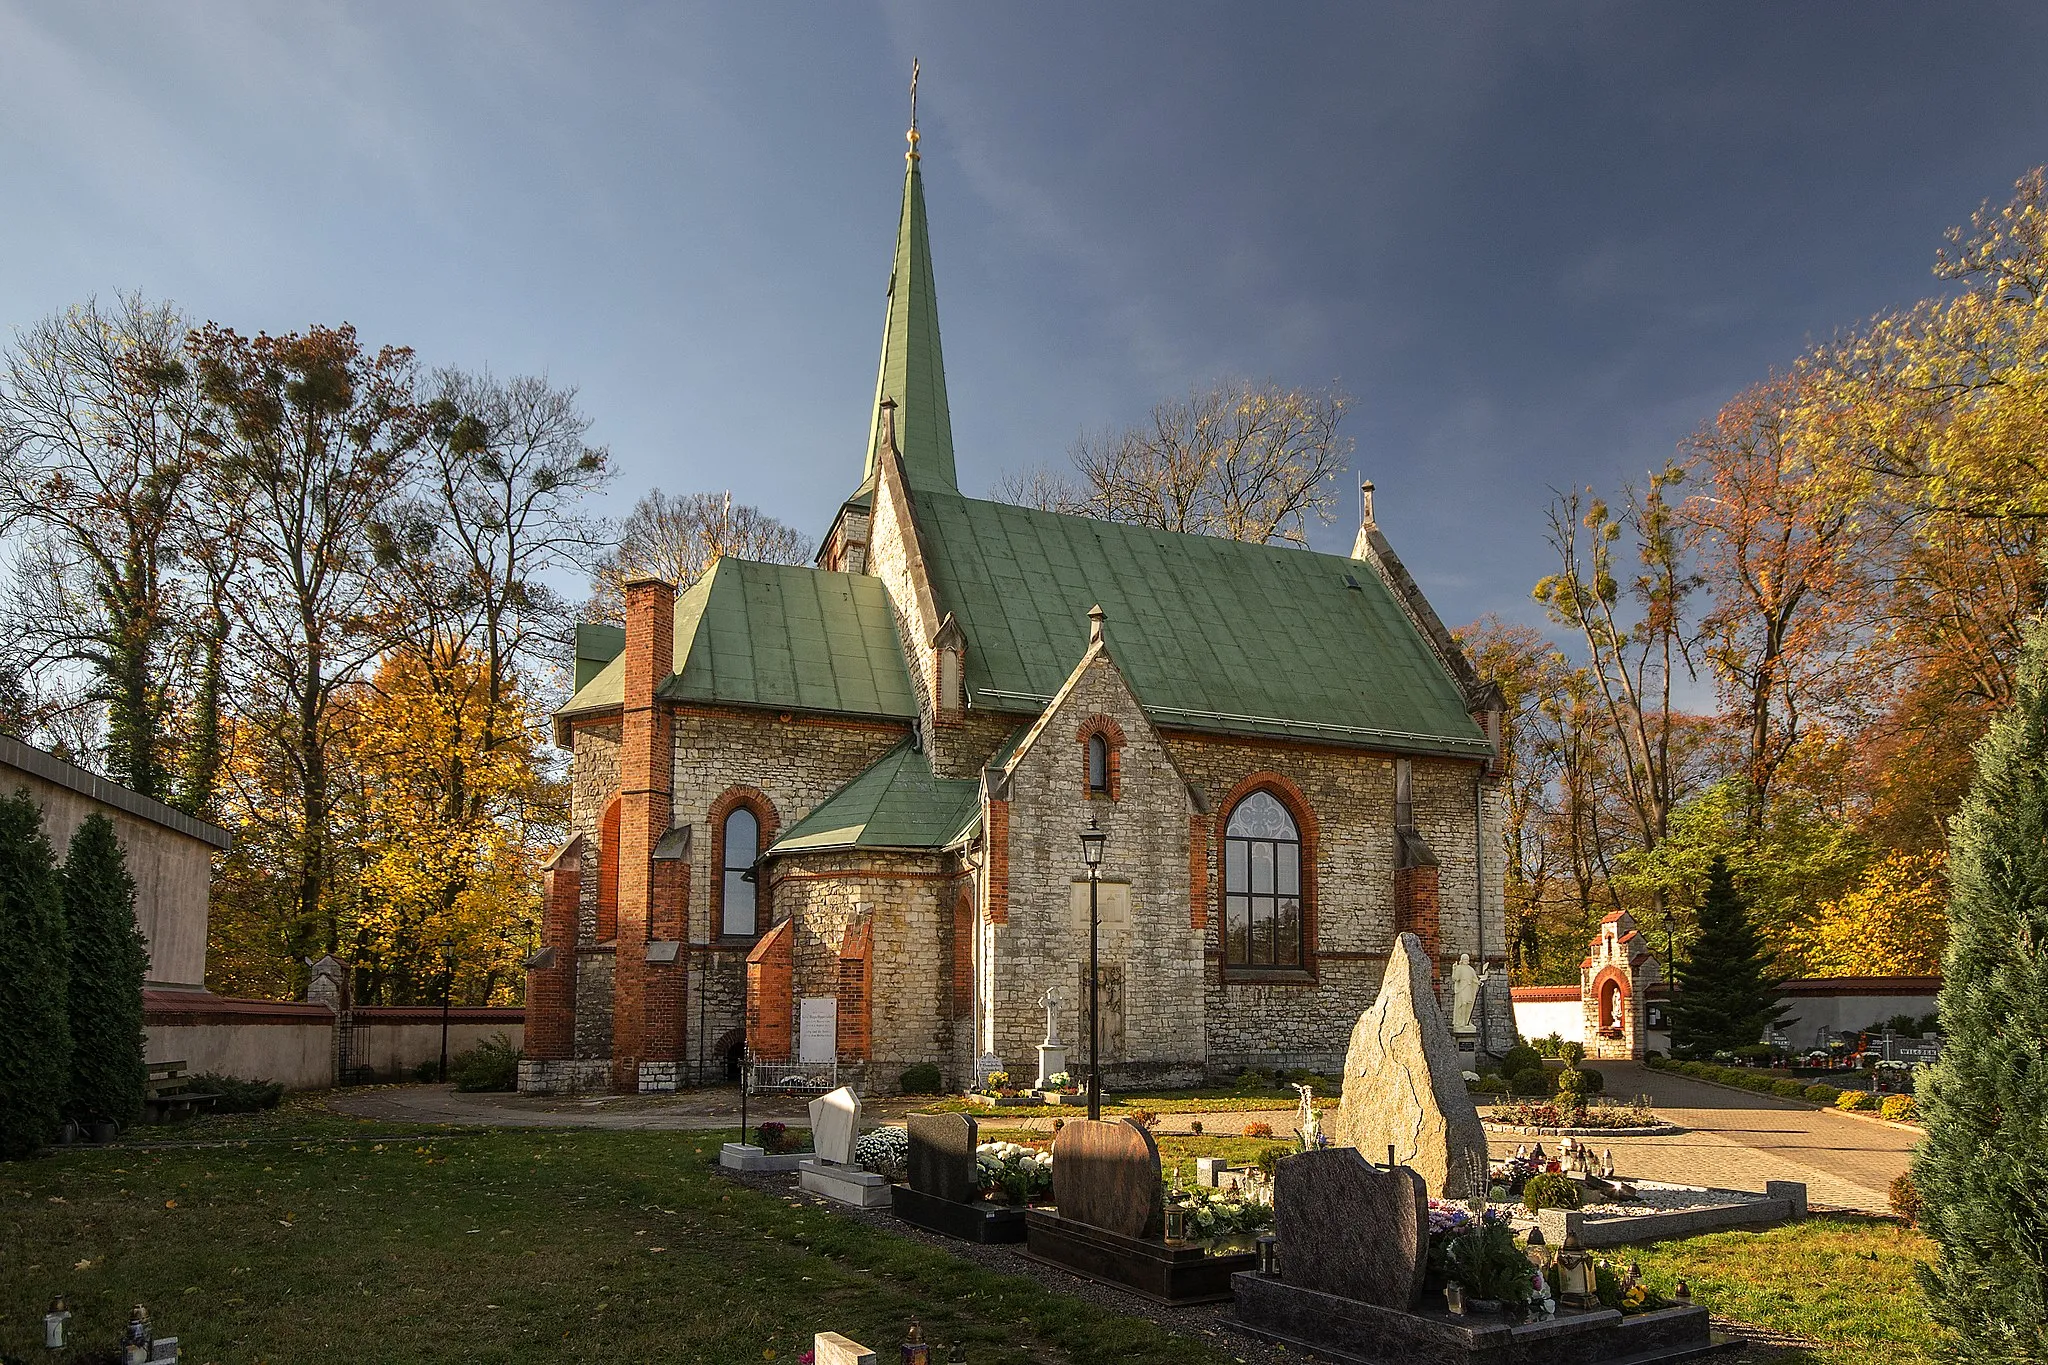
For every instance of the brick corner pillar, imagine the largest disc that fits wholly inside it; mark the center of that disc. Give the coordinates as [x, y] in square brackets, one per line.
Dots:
[856, 985]
[771, 972]
[551, 982]
[646, 777]
[1417, 907]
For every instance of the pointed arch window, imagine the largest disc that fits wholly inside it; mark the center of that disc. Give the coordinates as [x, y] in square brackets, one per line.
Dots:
[739, 849]
[1262, 915]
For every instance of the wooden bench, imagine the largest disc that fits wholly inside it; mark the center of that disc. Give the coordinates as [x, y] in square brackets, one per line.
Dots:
[169, 1093]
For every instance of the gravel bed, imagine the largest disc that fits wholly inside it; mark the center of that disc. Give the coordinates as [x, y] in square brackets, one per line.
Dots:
[1212, 1323]
[1651, 1197]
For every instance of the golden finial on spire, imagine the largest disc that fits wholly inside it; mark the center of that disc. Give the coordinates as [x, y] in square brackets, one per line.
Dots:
[911, 155]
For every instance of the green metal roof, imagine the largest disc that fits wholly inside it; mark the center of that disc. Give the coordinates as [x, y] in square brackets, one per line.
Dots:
[773, 635]
[1212, 634]
[913, 372]
[596, 646]
[896, 803]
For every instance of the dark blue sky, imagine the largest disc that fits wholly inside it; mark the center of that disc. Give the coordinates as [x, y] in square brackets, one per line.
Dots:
[1538, 243]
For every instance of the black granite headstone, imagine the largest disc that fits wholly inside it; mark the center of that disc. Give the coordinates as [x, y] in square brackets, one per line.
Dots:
[942, 1162]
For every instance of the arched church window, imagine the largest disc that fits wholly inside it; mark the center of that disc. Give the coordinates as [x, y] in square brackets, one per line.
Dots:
[1262, 920]
[741, 847]
[1098, 764]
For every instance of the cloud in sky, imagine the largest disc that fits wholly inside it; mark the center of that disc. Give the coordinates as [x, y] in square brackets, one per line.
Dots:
[1539, 243]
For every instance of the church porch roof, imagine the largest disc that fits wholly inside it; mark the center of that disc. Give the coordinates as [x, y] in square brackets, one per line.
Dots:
[895, 804]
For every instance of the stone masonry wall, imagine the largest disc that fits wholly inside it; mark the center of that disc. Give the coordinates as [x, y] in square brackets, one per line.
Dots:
[1350, 794]
[593, 782]
[794, 763]
[1157, 953]
[908, 899]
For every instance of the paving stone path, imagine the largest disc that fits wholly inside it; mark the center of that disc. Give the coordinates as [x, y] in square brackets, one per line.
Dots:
[1738, 1140]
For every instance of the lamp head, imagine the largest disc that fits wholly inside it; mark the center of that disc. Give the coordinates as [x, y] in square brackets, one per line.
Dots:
[1092, 840]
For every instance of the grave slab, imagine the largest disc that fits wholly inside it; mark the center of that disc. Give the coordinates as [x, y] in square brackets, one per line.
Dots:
[1168, 1272]
[829, 1348]
[846, 1184]
[742, 1156]
[1357, 1333]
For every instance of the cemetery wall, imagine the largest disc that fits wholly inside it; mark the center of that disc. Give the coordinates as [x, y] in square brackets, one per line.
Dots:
[294, 1044]
[1152, 950]
[170, 854]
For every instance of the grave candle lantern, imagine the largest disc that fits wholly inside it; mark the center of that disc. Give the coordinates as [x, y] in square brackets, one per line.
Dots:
[1538, 1250]
[1176, 1223]
[1269, 1254]
[916, 1351]
[1454, 1299]
[1575, 1276]
[53, 1323]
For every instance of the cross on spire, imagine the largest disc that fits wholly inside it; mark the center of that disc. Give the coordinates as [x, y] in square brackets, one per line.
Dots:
[912, 153]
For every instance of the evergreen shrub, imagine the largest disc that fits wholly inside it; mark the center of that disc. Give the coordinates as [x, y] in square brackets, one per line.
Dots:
[1856, 1101]
[1550, 1190]
[35, 1027]
[108, 962]
[1791, 1090]
[1530, 1083]
[1898, 1109]
[1983, 1165]
[492, 1064]
[922, 1079]
[1519, 1058]
[237, 1096]
[1824, 1094]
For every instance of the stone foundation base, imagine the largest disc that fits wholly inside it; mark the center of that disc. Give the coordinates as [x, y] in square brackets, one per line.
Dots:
[981, 1221]
[847, 1184]
[1362, 1334]
[1168, 1272]
[562, 1077]
[660, 1078]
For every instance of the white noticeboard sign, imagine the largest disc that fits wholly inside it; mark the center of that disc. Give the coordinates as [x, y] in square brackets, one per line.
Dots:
[817, 1029]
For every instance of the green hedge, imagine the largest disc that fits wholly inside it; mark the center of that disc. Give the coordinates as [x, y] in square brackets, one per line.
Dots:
[1823, 1094]
[35, 1025]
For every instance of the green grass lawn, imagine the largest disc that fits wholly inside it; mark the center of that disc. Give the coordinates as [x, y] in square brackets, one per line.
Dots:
[1843, 1281]
[313, 1237]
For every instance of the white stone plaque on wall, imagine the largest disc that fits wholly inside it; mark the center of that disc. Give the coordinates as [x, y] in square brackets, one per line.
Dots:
[1112, 906]
[817, 1029]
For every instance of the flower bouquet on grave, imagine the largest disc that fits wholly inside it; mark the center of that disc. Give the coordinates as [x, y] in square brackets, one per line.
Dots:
[1013, 1173]
[884, 1152]
[1478, 1253]
[1220, 1216]
[1063, 1083]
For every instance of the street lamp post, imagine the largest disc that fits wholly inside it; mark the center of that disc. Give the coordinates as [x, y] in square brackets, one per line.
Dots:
[447, 988]
[1092, 839]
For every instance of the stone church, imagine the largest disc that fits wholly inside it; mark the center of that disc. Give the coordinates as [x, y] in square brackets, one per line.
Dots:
[835, 811]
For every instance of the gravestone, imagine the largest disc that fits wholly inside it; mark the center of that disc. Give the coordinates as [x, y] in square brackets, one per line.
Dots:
[1404, 1085]
[942, 1160]
[1107, 1176]
[1349, 1228]
[830, 1348]
[835, 1125]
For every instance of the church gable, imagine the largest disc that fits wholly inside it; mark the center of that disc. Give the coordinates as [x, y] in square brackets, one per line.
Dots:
[1151, 949]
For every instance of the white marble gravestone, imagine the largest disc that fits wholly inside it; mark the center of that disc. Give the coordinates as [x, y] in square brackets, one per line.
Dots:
[835, 1125]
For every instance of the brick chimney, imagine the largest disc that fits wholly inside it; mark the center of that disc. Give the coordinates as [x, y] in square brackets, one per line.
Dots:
[646, 778]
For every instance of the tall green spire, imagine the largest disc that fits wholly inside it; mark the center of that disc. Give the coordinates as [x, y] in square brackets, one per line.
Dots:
[913, 372]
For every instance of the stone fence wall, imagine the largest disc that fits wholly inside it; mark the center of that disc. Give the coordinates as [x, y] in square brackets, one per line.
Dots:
[295, 1044]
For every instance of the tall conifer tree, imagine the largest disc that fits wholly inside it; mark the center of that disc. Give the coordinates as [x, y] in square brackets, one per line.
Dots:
[108, 964]
[1983, 1167]
[35, 1041]
[1726, 995]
